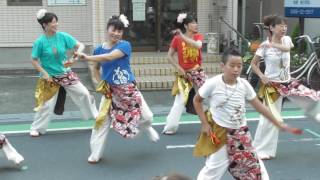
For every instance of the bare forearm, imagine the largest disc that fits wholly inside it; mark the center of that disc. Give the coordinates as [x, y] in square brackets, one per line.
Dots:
[191, 42]
[281, 47]
[37, 66]
[173, 61]
[197, 103]
[98, 58]
[265, 112]
[254, 66]
[80, 47]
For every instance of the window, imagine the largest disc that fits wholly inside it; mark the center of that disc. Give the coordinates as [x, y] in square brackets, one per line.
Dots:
[24, 2]
[66, 2]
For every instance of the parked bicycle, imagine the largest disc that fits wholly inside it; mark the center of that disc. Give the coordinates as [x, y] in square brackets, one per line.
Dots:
[309, 71]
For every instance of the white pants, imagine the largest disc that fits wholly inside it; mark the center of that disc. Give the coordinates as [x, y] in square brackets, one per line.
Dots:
[174, 115]
[266, 137]
[217, 164]
[10, 152]
[80, 96]
[99, 136]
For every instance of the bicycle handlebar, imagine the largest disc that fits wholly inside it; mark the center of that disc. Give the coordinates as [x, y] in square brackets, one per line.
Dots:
[307, 37]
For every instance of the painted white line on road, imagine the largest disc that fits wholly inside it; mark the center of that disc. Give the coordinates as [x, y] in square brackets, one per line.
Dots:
[180, 146]
[154, 124]
[300, 140]
[248, 119]
[313, 133]
[280, 141]
[49, 130]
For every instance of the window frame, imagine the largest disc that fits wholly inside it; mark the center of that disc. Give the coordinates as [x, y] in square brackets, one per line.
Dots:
[19, 3]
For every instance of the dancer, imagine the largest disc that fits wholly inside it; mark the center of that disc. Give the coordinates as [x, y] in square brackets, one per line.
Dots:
[49, 57]
[276, 84]
[10, 152]
[122, 105]
[189, 72]
[225, 139]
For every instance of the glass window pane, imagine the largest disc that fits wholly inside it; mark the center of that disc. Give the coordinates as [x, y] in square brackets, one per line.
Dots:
[170, 10]
[142, 29]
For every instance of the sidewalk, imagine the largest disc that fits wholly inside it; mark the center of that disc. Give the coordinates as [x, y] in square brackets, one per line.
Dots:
[17, 61]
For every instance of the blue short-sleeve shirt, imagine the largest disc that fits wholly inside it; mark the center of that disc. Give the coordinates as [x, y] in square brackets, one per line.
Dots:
[117, 71]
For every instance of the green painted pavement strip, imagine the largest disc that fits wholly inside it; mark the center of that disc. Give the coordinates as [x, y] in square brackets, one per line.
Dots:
[83, 124]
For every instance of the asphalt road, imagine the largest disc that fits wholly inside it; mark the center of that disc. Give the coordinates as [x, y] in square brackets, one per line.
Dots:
[63, 155]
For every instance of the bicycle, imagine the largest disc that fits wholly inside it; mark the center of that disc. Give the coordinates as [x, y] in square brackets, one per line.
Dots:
[310, 69]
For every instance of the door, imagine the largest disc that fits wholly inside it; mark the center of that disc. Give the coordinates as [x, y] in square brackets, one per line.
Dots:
[151, 21]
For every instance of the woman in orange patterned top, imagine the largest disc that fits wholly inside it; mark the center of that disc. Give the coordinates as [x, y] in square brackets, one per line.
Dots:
[187, 43]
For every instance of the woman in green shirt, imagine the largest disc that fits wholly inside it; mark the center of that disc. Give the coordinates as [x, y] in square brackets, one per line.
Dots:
[49, 57]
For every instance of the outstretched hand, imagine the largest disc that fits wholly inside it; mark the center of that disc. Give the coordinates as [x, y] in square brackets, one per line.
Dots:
[291, 130]
[81, 55]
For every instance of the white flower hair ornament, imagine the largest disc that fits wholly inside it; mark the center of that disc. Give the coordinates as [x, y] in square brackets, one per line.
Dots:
[181, 17]
[41, 13]
[124, 20]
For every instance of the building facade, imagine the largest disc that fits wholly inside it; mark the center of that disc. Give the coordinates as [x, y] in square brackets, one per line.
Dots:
[151, 20]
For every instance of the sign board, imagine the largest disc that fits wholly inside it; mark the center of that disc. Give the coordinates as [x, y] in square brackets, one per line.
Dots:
[66, 2]
[302, 8]
[139, 10]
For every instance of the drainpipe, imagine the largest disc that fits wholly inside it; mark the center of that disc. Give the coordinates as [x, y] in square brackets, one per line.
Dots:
[260, 10]
[235, 17]
[243, 23]
[243, 16]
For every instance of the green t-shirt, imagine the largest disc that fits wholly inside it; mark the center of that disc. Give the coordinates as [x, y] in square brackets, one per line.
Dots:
[52, 52]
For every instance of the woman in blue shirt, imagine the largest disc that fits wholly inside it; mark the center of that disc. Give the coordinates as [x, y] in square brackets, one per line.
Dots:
[122, 105]
[49, 57]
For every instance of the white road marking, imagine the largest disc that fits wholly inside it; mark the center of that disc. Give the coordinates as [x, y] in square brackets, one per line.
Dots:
[180, 146]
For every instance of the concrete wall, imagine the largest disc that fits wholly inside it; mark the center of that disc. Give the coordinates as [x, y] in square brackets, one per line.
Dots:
[19, 26]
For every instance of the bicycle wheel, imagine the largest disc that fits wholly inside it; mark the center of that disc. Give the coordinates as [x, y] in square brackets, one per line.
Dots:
[314, 76]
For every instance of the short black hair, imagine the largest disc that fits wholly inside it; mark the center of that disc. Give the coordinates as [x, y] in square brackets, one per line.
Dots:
[116, 23]
[47, 18]
[229, 52]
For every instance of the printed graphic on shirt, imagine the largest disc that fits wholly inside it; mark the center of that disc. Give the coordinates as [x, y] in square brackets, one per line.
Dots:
[120, 76]
[239, 115]
[189, 53]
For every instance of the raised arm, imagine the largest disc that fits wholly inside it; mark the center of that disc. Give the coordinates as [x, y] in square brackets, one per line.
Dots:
[196, 44]
[115, 54]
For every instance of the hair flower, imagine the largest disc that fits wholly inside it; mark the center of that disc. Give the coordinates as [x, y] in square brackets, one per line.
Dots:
[124, 20]
[41, 13]
[181, 17]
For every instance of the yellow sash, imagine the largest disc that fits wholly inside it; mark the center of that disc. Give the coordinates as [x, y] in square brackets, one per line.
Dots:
[204, 145]
[181, 85]
[44, 91]
[270, 95]
[103, 88]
